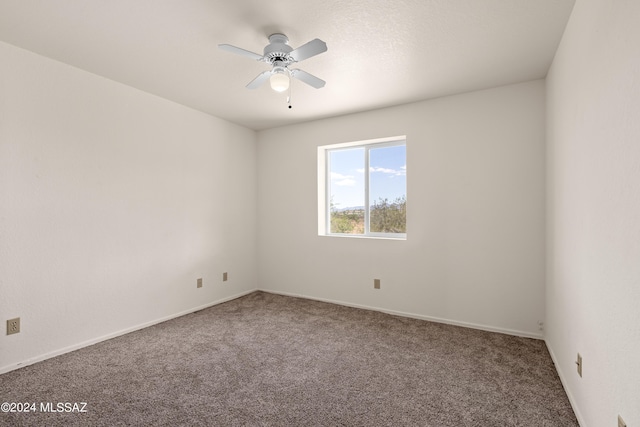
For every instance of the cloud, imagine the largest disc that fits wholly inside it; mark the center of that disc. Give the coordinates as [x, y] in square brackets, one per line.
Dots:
[383, 170]
[391, 172]
[342, 180]
[337, 176]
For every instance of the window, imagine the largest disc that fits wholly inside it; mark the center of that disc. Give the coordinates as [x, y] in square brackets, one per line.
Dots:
[362, 189]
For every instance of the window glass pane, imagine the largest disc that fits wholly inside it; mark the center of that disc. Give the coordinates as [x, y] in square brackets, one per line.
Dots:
[346, 191]
[388, 189]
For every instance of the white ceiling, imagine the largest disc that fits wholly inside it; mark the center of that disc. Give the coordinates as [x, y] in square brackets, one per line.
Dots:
[380, 52]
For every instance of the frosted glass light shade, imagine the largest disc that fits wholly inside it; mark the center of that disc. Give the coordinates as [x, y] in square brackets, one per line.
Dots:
[279, 82]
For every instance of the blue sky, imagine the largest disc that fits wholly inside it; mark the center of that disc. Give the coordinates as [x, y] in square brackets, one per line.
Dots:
[388, 174]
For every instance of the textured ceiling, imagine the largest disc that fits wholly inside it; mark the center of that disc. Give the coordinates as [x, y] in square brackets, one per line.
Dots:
[380, 52]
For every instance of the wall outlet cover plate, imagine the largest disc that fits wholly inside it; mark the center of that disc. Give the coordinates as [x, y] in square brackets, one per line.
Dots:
[579, 364]
[13, 326]
[621, 422]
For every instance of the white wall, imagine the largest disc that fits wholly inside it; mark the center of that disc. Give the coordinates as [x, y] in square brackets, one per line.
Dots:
[593, 291]
[112, 203]
[475, 248]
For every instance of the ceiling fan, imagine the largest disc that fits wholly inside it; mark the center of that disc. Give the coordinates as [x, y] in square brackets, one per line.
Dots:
[280, 55]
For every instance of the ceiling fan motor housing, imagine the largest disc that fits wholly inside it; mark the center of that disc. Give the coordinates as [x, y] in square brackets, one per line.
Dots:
[277, 51]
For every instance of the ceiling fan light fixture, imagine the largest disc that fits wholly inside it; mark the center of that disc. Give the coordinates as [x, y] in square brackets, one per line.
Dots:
[280, 55]
[279, 80]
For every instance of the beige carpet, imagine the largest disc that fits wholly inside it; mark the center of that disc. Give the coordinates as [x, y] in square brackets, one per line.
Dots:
[269, 360]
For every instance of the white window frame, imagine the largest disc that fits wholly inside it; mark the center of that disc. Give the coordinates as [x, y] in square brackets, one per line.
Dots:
[324, 186]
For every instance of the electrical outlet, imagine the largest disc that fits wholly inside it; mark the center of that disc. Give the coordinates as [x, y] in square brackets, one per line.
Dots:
[225, 276]
[621, 422]
[376, 283]
[199, 282]
[13, 326]
[579, 363]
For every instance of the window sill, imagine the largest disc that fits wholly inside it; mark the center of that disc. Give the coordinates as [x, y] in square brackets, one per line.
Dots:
[356, 236]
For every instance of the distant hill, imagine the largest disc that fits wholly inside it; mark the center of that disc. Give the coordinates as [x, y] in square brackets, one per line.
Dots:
[350, 208]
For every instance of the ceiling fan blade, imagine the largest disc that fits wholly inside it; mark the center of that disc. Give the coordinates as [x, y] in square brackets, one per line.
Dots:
[257, 82]
[314, 47]
[307, 78]
[239, 51]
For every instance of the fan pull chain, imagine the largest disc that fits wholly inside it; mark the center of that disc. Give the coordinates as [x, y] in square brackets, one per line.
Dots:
[289, 94]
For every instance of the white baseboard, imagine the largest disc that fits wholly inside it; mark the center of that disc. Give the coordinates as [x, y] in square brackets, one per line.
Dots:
[567, 391]
[415, 316]
[87, 343]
